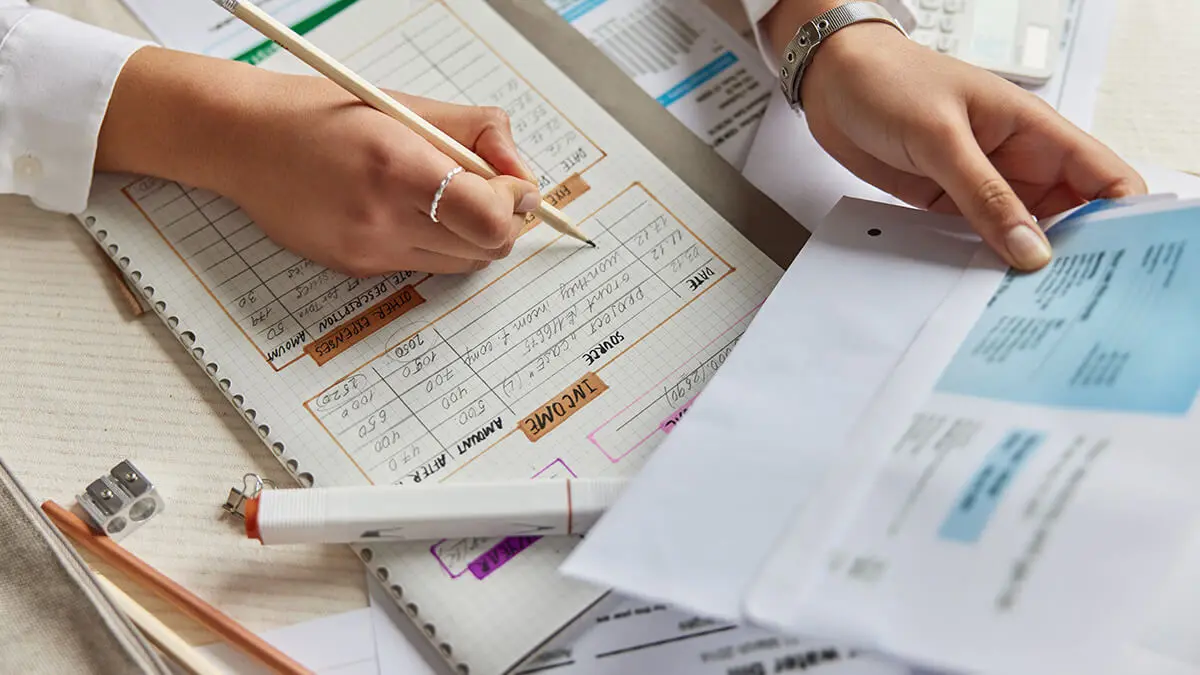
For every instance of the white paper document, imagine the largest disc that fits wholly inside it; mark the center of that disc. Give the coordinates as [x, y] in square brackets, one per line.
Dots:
[640, 637]
[1005, 493]
[204, 28]
[399, 645]
[692, 62]
[679, 51]
[341, 644]
[1024, 477]
[698, 521]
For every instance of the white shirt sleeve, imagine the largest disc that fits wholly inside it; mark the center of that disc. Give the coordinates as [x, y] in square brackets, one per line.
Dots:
[56, 77]
[757, 9]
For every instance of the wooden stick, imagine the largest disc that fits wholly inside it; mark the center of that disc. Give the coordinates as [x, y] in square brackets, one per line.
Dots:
[157, 632]
[151, 579]
[127, 294]
[325, 64]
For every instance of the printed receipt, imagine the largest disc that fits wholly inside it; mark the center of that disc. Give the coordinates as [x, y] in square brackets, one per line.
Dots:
[1026, 512]
[693, 63]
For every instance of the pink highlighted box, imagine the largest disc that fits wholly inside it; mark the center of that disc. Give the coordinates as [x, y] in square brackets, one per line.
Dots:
[666, 425]
[615, 455]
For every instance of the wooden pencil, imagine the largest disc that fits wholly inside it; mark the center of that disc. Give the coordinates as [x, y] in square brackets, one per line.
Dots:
[144, 575]
[158, 632]
[353, 83]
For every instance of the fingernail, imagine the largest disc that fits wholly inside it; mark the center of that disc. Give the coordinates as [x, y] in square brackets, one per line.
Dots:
[1028, 249]
[529, 202]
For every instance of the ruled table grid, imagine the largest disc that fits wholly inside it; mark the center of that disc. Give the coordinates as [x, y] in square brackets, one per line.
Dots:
[432, 401]
[434, 55]
[281, 301]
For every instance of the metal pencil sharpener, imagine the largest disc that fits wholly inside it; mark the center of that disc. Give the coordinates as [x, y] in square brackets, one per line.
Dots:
[121, 501]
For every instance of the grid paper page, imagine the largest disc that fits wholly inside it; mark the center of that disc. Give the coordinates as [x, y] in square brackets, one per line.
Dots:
[559, 360]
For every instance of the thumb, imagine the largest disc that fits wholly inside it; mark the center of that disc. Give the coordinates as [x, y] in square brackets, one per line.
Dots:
[989, 203]
[521, 195]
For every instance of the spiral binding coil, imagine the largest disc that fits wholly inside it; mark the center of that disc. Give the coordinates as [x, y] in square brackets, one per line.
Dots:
[192, 343]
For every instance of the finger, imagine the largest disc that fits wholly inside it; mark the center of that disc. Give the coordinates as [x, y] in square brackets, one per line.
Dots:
[486, 130]
[438, 238]
[957, 163]
[1090, 168]
[487, 213]
[1057, 199]
[499, 149]
[419, 260]
[1096, 172]
[393, 254]
[912, 189]
[1042, 200]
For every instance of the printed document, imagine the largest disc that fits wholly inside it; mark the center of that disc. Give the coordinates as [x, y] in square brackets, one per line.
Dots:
[686, 57]
[1015, 492]
[778, 411]
[1018, 518]
[645, 637]
[205, 28]
[678, 51]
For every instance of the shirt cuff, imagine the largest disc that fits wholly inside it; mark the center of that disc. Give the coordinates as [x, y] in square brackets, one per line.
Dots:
[757, 9]
[56, 78]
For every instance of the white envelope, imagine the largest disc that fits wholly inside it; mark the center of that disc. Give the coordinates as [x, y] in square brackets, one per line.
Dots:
[701, 517]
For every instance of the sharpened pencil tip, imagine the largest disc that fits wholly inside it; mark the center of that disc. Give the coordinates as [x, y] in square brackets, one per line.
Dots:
[591, 243]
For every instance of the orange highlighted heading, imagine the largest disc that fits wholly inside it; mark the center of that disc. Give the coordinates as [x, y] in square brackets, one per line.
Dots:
[559, 196]
[356, 329]
[556, 411]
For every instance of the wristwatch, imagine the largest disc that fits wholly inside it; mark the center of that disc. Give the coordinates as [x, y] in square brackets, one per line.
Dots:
[808, 38]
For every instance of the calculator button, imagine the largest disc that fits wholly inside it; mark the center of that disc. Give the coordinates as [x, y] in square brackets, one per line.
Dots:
[947, 44]
[954, 6]
[948, 24]
[927, 20]
[931, 4]
[925, 38]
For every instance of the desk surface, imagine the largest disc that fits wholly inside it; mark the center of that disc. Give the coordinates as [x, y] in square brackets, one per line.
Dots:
[88, 384]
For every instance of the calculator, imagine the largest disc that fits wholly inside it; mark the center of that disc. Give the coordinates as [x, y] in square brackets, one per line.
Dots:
[1016, 39]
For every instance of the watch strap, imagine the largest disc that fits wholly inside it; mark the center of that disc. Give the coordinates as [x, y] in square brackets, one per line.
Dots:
[800, 50]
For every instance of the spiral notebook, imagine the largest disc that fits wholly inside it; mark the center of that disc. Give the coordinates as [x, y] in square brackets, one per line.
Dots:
[560, 360]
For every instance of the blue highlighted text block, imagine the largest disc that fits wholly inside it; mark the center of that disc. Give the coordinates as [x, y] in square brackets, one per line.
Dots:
[1113, 323]
[974, 507]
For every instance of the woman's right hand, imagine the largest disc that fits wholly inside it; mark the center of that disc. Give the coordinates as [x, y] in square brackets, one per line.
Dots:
[321, 173]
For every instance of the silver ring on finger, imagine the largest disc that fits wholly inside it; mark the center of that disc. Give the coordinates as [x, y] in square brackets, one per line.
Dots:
[437, 196]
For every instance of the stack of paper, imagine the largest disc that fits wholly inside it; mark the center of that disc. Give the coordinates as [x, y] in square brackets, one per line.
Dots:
[682, 54]
[917, 451]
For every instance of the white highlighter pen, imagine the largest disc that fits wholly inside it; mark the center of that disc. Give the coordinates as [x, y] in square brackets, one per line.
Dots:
[339, 515]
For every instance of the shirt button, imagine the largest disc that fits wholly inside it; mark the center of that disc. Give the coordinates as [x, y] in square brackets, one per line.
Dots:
[28, 167]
